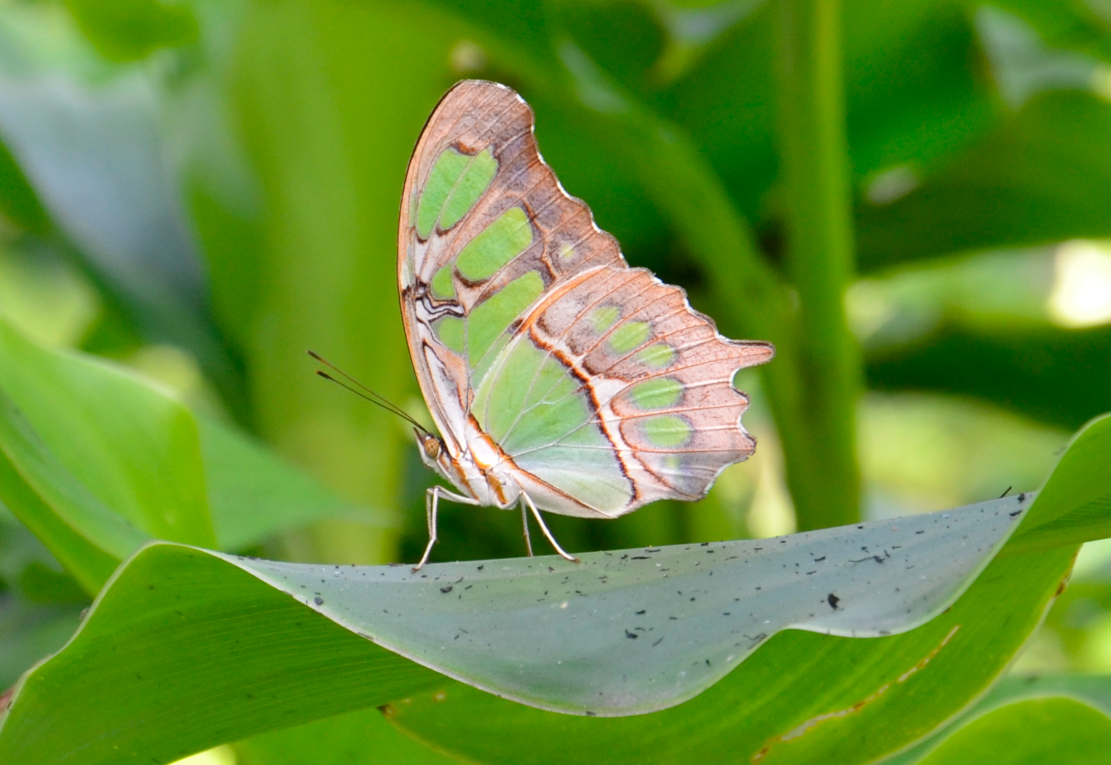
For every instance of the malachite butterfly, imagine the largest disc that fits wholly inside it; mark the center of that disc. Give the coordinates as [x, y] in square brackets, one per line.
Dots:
[560, 378]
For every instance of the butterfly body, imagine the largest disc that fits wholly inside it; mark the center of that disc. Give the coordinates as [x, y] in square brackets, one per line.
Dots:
[559, 378]
[480, 470]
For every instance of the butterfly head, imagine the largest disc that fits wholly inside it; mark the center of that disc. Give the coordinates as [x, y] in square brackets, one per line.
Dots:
[433, 451]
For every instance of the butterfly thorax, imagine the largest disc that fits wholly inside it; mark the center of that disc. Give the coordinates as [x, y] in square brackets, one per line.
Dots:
[481, 470]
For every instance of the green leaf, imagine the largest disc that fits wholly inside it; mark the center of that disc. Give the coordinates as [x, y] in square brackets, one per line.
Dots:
[28, 632]
[1052, 374]
[1042, 730]
[1075, 505]
[1021, 718]
[656, 626]
[114, 204]
[1043, 177]
[355, 737]
[98, 462]
[912, 95]
[209, 654]
[243, 642]
[95, 462]
[1072, 25]
[254, 494]
[126, 30]
[18, 201]
[803, 698]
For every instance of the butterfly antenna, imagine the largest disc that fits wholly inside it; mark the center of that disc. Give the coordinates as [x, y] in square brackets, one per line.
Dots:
[363, 391]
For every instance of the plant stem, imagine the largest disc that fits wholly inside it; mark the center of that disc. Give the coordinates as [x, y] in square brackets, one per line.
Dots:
[823, 474]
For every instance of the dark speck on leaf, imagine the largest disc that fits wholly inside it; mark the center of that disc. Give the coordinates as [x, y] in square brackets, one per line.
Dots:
[446, 589]
[819, 560]
[641, 612]
[833, 600]
[318, 601]
[640, 557]
[1016, 512]
[591, 714]
[481, 567]
[1022, 497]
[631, 635]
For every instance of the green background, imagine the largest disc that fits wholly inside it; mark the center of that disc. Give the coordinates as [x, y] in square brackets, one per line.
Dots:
[910, 200]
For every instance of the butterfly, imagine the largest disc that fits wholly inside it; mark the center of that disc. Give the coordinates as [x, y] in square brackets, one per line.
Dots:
[559, 378]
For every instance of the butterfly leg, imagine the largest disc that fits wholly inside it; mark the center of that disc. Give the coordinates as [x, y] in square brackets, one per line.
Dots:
[524, 522]
[526, 499]
[431, 507]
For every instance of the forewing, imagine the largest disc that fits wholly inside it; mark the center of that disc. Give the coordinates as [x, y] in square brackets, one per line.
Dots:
[485, 230]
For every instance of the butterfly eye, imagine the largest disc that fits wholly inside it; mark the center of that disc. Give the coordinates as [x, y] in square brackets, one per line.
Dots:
[432, 446]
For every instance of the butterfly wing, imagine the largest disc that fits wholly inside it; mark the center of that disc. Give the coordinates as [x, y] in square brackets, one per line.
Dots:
[600, 385]
[646, 395]
[485, 229]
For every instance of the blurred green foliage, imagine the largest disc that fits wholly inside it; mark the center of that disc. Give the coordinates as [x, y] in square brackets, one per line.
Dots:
[204, 190]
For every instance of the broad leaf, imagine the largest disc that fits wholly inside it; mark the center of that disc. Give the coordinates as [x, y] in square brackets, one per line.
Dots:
[347, 739]
[254, 494]
[94, 461]
[172, 608]
[113, 202]
[97, 462]
[1026, 718]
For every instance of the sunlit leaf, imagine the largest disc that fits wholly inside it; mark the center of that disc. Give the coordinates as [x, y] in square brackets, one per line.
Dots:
[95, 462]
[355, 737]
[1026, 719]
[554, 633]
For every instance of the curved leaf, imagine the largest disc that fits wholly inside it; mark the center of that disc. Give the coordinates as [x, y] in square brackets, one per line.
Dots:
[635, 631]
[98, 462]
[1008, 707]
[94, 461]
[180, 628]
[181, 652]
